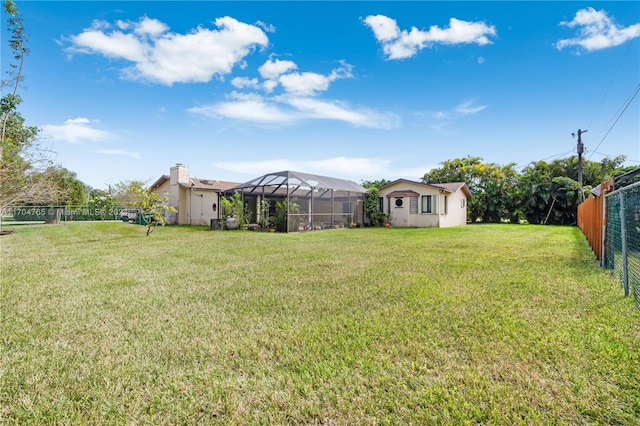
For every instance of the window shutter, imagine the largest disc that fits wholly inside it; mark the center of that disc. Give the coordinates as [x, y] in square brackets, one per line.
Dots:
[413, 205]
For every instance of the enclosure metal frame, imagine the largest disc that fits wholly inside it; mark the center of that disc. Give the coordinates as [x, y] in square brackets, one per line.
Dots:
[311, 200]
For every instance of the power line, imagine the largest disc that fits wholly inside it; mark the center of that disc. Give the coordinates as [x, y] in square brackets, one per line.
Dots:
[631, 98]
[557, 155]
[612, 156]
[613, 78]
[520, 166]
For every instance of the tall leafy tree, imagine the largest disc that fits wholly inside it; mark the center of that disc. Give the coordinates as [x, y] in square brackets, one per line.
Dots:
[127, 193]
[372, 206]
[372, 201]
[17, 43]
[71, 191]
[535, 191]
[23, 161]
[368, 184]
[540, 193]
[487, 182]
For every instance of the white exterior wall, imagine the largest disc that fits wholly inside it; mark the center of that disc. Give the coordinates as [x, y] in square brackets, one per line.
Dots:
[457, 210]
[400, 216]
[200, 207]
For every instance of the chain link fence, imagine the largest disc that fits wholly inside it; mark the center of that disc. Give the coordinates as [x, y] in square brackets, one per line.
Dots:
[59, 214]
[622, 238]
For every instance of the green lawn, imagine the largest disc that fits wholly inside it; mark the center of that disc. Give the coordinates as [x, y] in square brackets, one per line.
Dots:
[498, 324]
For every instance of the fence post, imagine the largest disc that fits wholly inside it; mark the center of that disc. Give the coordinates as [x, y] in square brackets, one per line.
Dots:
[623, 231]
[604, 231]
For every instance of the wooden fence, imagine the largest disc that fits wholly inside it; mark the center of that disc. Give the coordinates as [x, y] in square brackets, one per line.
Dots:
[592, 220]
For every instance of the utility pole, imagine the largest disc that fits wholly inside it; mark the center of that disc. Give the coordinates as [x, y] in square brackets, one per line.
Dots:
[580, 152]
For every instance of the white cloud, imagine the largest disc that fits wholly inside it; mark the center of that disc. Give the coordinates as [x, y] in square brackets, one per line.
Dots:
[467, 108]
[242, 82]
[269, 86]
[319, 109]
[75, 130]
[298, 101]
[165, 57]
[131, 154]
[595, 31]
[443, 119]
[401, 44]
[271, 70]
[266, 27]
[79, 120]
[411, 173]
[384, 28]
[344, 167]
[289, 110]
[304, 84]
[357, 169]
[247, 107]
[309, 83]
[114, 45]
[151, 27]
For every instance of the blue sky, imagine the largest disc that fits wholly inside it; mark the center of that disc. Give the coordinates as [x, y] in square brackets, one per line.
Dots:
[357, 90]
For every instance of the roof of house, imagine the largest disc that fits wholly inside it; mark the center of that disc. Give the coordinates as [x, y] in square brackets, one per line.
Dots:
[198, 184]
[218, 185]
[406, 193]
[288, 177]
[447, 186]
[455, 186]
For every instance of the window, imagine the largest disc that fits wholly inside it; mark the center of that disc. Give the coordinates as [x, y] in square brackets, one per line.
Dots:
[445, 205]
[381, 203]
[399, 202]
[427, 204]
[413, 205]
[463, 203]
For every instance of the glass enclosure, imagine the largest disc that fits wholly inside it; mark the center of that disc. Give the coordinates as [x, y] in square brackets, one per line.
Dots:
[297, 202]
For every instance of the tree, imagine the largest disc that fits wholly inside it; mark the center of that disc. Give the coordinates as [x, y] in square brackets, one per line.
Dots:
[632, 173]
[71, 191]
[485, 181]
[153, 208]
[17, 43]
[541, 193]
[372, 201]
[549, 192]
[368, 184]
[127, 193]
[372, 206]
[101, 201]
[23, 161]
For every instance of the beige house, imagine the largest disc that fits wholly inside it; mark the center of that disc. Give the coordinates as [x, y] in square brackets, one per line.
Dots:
[197, 201]
[421, 205]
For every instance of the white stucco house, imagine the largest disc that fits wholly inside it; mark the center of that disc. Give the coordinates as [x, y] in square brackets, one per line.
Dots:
[415, 204]
[197, 201]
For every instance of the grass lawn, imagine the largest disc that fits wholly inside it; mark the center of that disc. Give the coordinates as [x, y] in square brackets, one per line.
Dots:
[498, 324]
